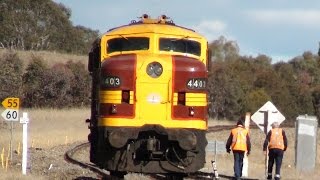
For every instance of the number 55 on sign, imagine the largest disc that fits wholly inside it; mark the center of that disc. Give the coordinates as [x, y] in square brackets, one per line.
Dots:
[11, 103]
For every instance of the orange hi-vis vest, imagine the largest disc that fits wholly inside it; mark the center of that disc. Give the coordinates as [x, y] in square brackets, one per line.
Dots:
[239, 139]
[276, 139]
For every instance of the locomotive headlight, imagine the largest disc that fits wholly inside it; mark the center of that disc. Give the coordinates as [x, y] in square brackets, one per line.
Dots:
[154, 69]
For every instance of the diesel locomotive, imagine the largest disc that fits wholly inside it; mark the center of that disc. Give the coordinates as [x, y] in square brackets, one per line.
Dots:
[149, 98]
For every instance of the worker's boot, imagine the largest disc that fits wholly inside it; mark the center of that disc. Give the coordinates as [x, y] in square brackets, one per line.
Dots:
[269, 177]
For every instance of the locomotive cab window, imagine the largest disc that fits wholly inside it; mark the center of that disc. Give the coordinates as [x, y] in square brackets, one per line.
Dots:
[180, 45]
[127, 44]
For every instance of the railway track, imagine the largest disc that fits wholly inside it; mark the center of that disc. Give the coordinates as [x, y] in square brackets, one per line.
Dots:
[229, 127]
[70, 157]
[219, 128]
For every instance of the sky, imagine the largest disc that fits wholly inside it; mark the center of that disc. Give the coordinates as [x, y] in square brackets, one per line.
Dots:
[280, 29]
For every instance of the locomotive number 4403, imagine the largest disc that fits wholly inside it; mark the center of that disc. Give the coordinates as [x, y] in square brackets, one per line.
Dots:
[112, 81]
[197, 83]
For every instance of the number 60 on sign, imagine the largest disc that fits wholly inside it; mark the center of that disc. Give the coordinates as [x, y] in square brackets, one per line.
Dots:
[10, 115]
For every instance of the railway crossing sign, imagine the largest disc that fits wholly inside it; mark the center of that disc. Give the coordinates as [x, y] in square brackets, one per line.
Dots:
[266, 115]
[12, 109]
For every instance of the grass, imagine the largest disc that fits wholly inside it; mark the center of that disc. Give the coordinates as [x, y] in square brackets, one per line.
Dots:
[48, 128]
[52, 127]
[257, 159]
[49, 57]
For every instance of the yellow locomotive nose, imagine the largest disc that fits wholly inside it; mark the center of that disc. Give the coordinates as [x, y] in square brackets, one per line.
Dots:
[153, 82]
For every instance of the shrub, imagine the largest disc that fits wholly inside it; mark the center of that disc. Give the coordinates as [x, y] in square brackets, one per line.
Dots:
[80, 84]
[10, 75]
[55, 87]
[32, 82]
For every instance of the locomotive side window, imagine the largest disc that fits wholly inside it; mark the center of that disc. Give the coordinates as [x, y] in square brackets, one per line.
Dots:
[127, 44]
[180, 45]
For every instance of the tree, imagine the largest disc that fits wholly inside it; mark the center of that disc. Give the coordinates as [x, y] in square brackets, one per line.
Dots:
[307, 74]
[226, 94]
[27, 25]
[223, 50]
[217, 84]
[256, 99]
[289, 91]
[41, 25]
[316, 101]
[10, 75]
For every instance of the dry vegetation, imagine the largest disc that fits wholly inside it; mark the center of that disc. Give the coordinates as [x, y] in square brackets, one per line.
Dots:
[50, 58]
[256, 158]
[47, 129]
[51, 128]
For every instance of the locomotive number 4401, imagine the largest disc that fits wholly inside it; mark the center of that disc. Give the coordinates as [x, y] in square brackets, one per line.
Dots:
[197, 83]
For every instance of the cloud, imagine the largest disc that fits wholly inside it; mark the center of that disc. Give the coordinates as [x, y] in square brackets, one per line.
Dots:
[215, 25]
[211, 29]
[278, 58]
[306, 18]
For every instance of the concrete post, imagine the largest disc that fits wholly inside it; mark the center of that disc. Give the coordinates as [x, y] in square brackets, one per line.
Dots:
[306, 142]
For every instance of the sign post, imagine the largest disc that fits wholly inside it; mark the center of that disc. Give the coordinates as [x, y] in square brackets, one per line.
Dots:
[264, 117]
[24, 120]
[11, 113]
[245, 158]
[217, 147]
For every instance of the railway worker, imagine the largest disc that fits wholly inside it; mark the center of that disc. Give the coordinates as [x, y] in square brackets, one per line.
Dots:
[277, 143]
[239, 142]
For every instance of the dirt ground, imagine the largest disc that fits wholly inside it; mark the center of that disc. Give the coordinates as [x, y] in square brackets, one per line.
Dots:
[256, 160]
[53, 132]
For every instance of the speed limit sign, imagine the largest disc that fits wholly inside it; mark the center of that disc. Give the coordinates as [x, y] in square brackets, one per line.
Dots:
[10, 115]
[12, 105]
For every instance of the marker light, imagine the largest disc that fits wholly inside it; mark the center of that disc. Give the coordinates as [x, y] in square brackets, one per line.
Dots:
[114, 109]
[191, 111]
